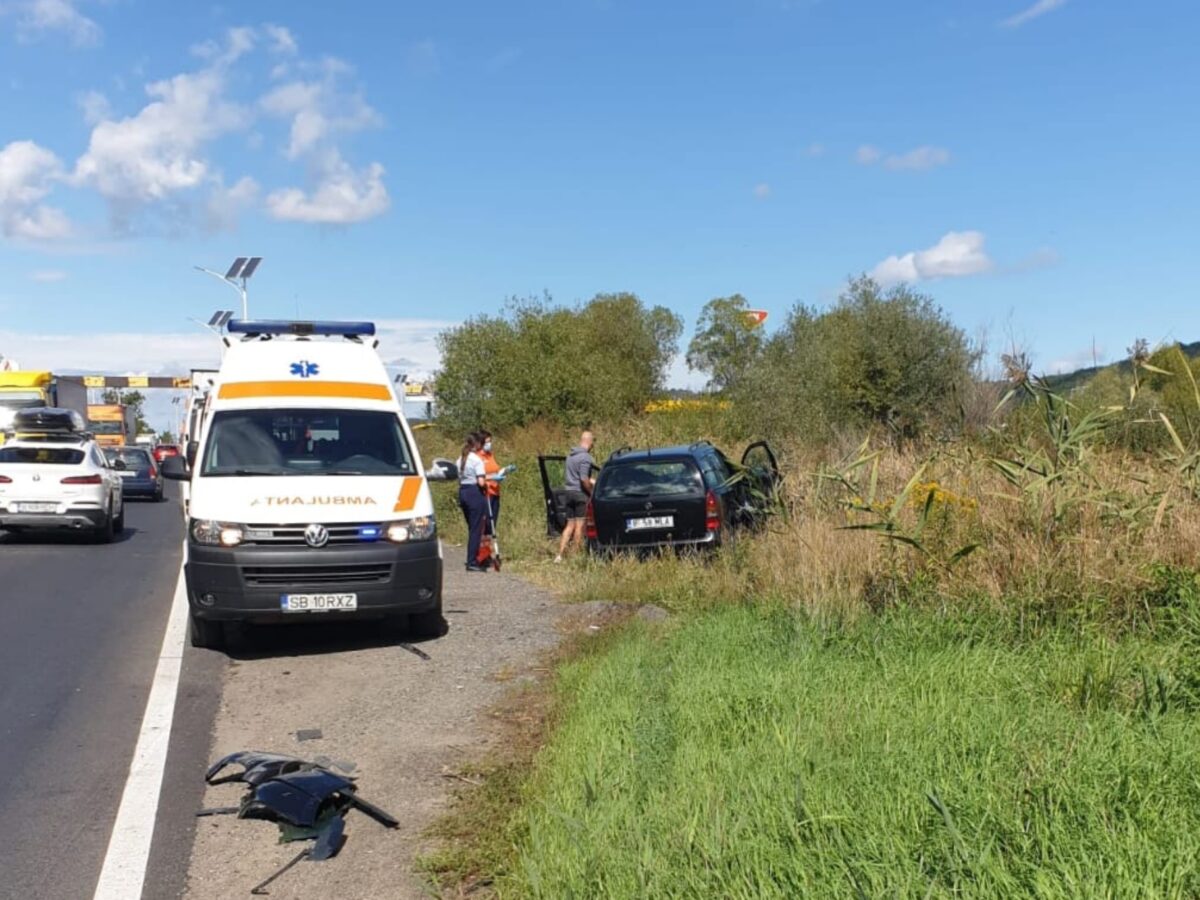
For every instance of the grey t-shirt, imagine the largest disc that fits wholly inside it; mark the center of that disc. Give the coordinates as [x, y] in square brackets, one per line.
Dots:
[579, 466]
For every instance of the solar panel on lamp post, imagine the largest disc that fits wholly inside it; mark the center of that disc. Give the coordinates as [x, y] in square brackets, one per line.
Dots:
[241, 270]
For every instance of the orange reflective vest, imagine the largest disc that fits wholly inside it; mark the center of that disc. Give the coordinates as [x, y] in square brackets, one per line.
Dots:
[490, 467]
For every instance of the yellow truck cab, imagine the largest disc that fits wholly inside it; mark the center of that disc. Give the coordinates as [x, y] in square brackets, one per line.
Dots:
[307, 499]
[111, 424]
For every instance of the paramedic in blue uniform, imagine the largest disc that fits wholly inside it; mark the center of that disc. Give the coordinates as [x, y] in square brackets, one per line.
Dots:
[472, 498]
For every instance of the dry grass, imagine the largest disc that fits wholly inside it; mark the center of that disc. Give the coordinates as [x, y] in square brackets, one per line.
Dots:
[1091, 533]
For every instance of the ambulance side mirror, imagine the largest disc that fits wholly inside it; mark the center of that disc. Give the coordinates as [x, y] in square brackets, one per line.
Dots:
[173, 468]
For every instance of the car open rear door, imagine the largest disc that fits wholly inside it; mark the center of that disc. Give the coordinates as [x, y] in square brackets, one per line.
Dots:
[762, 477]
[554, 474]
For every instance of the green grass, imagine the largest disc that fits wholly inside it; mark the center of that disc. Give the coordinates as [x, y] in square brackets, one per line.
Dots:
[750, 753]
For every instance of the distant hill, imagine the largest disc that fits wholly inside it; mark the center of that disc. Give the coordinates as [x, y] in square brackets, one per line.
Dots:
[1068, 381]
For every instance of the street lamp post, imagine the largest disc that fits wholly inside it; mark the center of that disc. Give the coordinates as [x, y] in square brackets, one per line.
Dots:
[241, 270]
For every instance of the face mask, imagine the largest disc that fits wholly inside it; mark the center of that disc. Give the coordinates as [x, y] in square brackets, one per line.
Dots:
[487, 446]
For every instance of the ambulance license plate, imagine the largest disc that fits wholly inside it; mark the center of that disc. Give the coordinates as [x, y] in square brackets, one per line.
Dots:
[299, 603]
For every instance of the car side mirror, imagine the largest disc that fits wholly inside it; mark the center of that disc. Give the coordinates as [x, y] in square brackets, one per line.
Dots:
[173, 467]
[192, 447]
[442, 470]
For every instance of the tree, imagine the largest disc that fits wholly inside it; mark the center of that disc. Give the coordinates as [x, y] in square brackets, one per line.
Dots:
[598, 361]
[890, 358]
[727, 342]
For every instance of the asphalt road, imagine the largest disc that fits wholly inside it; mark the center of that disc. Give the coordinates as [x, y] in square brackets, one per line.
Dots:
[80, 637]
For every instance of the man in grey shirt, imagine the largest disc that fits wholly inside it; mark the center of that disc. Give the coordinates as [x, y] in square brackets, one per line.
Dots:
[579, 484]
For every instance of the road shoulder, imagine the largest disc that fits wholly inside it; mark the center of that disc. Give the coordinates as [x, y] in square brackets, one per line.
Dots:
[404, 721]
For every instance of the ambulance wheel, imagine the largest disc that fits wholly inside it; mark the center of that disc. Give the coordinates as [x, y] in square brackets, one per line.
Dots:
[429, 624]
[205, 634]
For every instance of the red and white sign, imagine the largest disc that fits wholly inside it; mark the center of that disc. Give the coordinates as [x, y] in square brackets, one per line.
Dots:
[756, 316]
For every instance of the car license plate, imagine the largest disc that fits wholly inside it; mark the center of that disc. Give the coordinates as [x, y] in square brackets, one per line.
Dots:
[129, 474]
[649, 522]
[38, 507]
[298, 603]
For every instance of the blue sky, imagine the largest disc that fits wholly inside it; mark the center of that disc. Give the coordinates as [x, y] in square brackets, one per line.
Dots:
[1029, 164]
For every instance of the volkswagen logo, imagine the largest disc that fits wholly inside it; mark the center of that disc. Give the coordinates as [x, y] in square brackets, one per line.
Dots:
[316, 535]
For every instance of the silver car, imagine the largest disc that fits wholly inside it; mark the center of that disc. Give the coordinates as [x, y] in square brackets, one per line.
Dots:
[60, 482]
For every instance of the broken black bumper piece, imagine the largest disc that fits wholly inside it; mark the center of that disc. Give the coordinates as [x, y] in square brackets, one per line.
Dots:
[306, 800]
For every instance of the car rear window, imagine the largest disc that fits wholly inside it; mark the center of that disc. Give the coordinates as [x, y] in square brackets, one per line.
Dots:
[652, 478]
[61, 456]
[131, 457]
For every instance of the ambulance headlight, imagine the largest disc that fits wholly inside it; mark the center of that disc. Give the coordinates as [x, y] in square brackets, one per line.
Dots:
[421, 528]
[206, 531]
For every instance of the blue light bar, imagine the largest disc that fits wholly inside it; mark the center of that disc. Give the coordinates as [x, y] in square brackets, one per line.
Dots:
[282, 326]
[370, 532]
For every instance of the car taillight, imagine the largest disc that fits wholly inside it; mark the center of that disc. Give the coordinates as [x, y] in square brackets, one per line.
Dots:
[589, 522]
[4, 479]
[712, 512]
[153, 472]
[82, 479]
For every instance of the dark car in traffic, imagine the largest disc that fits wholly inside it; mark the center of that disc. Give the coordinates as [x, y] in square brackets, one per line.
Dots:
[141, 476]
[685, 497]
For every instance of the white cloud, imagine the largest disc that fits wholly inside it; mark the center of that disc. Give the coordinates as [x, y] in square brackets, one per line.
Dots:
[319, 110]
[341, 196]
[1038, 9]
[36, 18]
[816, 149]
[866, 155]
[919, 159]
[27, 174]
[957, 254]
[422, 59]
[226, 204]
[762, 191]
[282, 40]
[159, 152]
[95, 107]
[48, 276]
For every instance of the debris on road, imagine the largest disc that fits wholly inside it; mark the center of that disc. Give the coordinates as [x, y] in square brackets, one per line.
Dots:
[417, 651]
[304, 798]
[309, 734]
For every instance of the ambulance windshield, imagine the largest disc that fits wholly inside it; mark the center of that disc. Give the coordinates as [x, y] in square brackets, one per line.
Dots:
[306, 442]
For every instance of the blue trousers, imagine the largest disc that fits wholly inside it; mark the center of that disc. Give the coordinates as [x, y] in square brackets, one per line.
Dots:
[473, 503]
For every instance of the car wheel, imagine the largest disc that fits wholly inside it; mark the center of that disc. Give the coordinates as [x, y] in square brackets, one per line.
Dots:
[119, 521]
[205, 634]
[429, 624]
[105, 530]
[158, 495]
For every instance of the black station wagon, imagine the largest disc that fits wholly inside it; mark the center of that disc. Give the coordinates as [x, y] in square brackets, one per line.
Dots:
[684, 497]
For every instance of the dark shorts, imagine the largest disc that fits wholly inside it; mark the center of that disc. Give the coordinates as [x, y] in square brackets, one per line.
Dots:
[576, 504]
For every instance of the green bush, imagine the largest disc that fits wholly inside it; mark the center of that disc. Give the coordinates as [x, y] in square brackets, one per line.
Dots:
[599, 361]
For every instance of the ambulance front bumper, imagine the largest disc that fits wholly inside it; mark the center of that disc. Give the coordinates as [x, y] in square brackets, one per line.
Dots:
[252, 583]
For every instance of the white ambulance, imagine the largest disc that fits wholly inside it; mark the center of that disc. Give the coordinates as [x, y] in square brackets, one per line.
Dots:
[307, 498]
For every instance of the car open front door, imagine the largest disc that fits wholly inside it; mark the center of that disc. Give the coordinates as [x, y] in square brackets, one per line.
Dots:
[554, 476]
[762, 478]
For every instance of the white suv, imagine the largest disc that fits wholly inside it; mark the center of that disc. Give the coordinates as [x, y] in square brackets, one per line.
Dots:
[60, 481]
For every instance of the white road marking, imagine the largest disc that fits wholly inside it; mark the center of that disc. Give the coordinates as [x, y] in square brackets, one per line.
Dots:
[128, 852]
